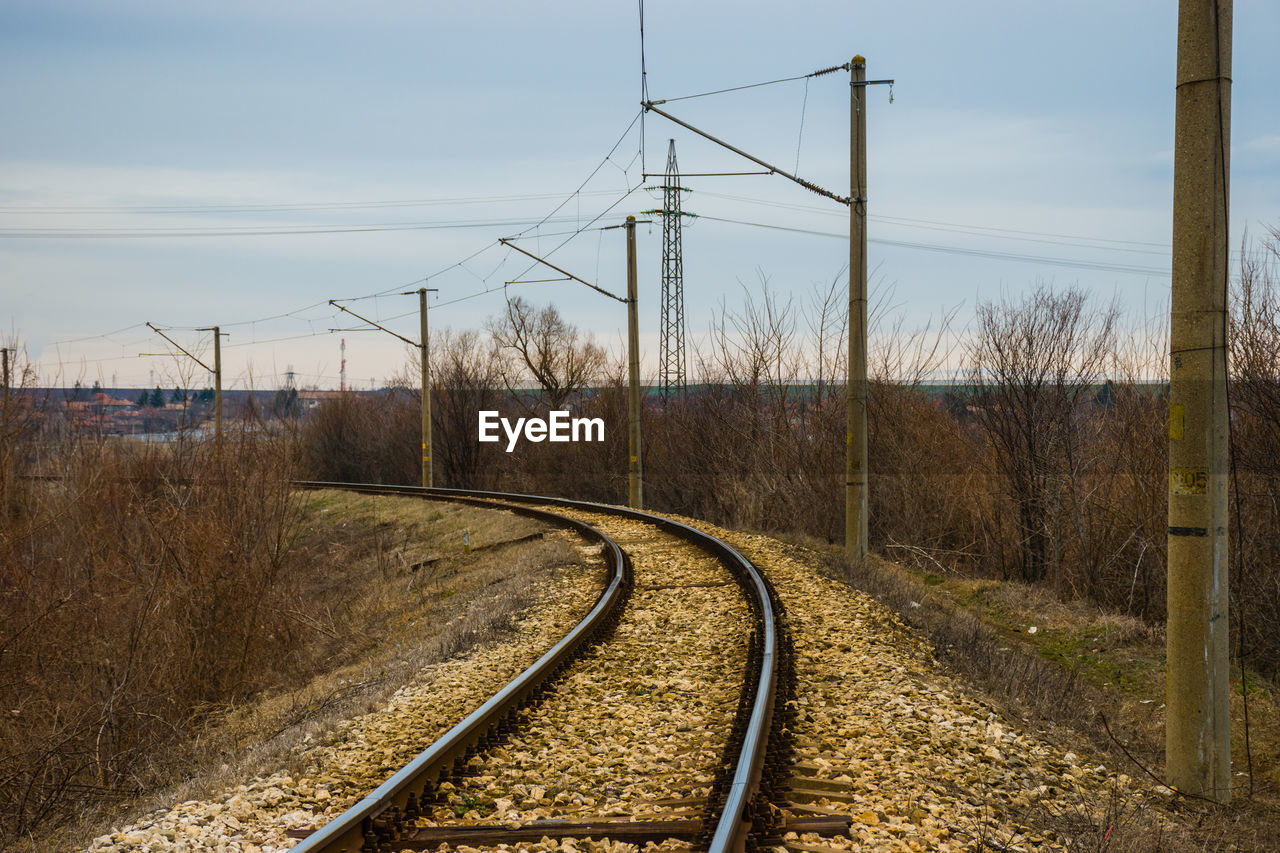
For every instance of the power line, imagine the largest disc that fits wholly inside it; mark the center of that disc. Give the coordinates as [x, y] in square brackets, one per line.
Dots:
[594, 171]
[287, 207]
[977, 230]
[958, 250]
[579, 192]
[921, 223]
[96, 337]
[264, 231]
[817, 73]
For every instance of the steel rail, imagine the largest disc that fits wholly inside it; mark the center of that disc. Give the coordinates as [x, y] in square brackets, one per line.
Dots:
[734, 822]
[348, 831]
[752, 730]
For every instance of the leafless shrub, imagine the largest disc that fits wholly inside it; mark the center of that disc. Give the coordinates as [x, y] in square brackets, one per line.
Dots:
[1255, 433]
[22, 411]
[364, 439]
[135, 588]
[925, 489]
[584, 470]
[756, 442]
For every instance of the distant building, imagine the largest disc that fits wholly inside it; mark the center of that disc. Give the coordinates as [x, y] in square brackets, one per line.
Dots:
[100, 404]
[311, 399]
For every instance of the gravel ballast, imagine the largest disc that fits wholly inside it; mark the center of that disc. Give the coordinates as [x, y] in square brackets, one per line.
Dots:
[913, 757]
[636, 727]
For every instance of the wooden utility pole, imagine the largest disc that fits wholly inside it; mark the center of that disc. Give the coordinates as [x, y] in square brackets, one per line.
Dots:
[855, 491]
[635, 480]
[427, 481]
[217, 388]
[635, 471]
[855, 486]
[1197, 719]
[216, 370]
[217, 380]
[424, 347]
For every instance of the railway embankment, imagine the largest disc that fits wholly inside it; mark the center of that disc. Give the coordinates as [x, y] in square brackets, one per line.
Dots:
[884, 737]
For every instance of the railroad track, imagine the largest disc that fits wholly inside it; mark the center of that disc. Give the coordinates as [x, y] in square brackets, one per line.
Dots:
[662, 715]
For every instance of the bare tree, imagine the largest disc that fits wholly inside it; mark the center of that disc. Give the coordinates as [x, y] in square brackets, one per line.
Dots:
[1031, 366]
[542, 345]
[1255, 450]
[465, 378]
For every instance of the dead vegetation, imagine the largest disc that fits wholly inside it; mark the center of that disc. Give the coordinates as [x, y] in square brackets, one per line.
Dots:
[165, 606]
[141, 583]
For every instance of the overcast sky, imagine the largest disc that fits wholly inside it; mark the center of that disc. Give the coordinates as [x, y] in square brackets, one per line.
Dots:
[154, 152]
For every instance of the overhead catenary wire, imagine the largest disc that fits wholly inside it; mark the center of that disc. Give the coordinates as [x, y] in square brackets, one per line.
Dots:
[644, 85]
[96, 337]
[577, 193]
[270, 207]
[820, 72]
[594, 171]
[961, 228]
[580, 230]
[41, 232]
[958, 250]
[809, 185]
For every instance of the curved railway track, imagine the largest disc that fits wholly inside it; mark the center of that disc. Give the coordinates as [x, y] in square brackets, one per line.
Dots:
[722, 749]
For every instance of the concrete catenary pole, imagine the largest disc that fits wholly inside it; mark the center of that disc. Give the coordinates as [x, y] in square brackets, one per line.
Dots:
[1197, 723]
[855, 489]
[425, 348]
[635, 469]
[217, 389]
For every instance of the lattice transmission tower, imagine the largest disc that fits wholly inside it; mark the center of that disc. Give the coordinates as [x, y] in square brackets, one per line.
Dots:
[671, 351]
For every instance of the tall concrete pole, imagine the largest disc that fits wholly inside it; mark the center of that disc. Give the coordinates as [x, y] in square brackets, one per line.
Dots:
[426, 390]
[1197, 721]
[635, 469]
[217, 390]
[855, 488]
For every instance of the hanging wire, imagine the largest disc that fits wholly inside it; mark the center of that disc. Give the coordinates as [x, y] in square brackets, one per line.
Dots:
[599, 166]
[575, 195]
[803, 106]
[95, 337]
[644, 85]
[599, 248]
[817, 73]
